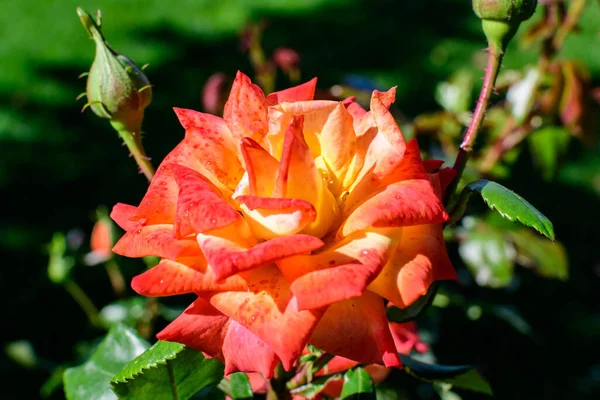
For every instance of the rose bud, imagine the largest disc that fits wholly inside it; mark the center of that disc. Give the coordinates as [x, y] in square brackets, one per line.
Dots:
[289, 62]
[501, 18]
[116, 88]
[215, 93]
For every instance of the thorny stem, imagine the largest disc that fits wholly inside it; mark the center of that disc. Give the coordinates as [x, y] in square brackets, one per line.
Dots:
[83, 301]
[133, 141]
[495, 55]
[550, 46]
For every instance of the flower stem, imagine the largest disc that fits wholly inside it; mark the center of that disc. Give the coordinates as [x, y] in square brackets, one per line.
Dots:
[495, 55]
[84, 302]
[133, 141]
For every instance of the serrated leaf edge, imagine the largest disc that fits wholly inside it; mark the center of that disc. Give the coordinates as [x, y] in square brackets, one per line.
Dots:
[149, 367]
[549, 230]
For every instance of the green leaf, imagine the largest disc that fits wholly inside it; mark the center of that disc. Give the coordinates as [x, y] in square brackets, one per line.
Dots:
[460, 376]
[357, 385]
[90, 380]
[489, 257]
[547, 145]
[166, 371]
[549, 259]
[411, 312]
[509, 204]
[240, 386]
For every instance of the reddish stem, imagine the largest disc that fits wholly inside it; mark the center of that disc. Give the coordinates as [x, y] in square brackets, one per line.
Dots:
[466, 148]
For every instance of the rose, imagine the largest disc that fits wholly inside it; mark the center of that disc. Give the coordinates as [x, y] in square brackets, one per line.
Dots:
[292, 219]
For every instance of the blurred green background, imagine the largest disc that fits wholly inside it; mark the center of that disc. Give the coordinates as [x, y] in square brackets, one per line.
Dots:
[58, 164]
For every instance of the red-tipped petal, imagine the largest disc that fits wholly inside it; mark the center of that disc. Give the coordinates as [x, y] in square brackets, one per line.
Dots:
[121, 213]
[295, 152]
[341, 272]
[357, 329]
[170, 278]
[227, 258]
[255, 202]
[302, 92]
[244, 351]
[200, 206]
[420, 259]
[354, 108]
[406, 337]
[246, 109]
[159, 205]
[156, 240]
[270, 217]
[269, 310]
[204, 328]
[200, 327]
[261, 167]
[406, 203]
[383, 147]
[213, 145]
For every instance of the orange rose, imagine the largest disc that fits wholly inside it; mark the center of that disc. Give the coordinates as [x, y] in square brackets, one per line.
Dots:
[292, 220]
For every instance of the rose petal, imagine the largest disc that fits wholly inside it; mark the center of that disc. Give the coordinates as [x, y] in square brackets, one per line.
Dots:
[383, 147]
[354, 108]
[213, 145]
[269, 310]
[200, 206]
[170, 278]
[352, 264]
[200, 326]
[270, 217]
[227, 257]
[302, 92]
[298, 177]
[246, 109]
[159, 205]
[406, 203]
[156, 240]
[244, 351]
[406, 337]
[338, 143]
[261, 167]
[121, 213]
[420, 259]
[315, 115]
[357, 329]
[204, 328]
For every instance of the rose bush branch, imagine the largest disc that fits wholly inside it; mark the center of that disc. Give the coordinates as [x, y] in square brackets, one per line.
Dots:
[500, 21]
[517, 131]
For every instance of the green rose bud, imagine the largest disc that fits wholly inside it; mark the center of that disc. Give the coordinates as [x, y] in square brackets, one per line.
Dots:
[504, 10]
[116, 88]
[501, 19]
